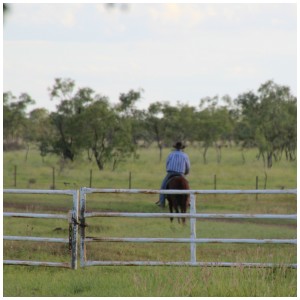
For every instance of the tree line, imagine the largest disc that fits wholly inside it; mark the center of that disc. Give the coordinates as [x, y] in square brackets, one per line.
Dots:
[86, 122]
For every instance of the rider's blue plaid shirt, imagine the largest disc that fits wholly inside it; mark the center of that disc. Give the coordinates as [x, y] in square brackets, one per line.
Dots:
[179, 162]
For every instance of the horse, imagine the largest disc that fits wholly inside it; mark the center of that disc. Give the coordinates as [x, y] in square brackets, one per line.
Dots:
[178, 200]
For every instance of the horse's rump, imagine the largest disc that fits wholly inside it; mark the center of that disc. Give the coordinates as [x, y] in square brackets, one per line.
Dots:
[178, 200]
[178, 182]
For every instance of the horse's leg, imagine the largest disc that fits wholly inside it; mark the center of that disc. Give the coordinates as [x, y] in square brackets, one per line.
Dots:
[183, 208]
[183, 204]
[176, 208]
[170, 208]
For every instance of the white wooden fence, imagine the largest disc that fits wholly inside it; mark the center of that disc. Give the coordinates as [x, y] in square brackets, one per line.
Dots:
[78, 215]
[193, 240]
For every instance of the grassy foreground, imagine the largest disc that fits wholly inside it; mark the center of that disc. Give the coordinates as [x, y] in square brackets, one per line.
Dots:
[149, 282]
[147, 172]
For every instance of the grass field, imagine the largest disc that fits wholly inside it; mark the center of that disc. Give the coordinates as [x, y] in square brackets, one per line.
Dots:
[147, 172]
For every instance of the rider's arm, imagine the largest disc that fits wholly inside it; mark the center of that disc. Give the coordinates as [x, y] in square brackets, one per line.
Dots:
[187, 166]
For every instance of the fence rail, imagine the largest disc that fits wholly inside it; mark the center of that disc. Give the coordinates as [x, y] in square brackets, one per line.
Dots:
[33, 215]
[180, 192]
[187, 240]
[187, 263]
[187, 215]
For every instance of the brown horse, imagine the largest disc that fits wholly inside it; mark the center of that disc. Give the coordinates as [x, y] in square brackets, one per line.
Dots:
[176, 201]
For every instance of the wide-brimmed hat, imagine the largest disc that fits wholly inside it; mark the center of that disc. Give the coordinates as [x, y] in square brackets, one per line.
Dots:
[179, 145]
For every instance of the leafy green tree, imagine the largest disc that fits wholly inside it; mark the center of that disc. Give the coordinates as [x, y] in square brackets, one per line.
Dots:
[140, 131]
[99, 130]
[268, 121]
[246, 126]
[127, 102]
[206, 132]
[86, 121]
[156, 126]
[15, 123]
[214, 125]
[168, 124]
[68, 119]
[106, 134]
[276, 131]
[179, 122]
[41, 130]
[131, 116]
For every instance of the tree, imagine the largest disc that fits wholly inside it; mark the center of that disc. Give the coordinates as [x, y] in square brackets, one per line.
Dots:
[85, 121]
[206, 132]
[131, 115]
[179, 122]
[41, 131]
[268, 121]
[276, 131]
[155, 125]
[68, 119]
[214, 125]
[127, 101]
[140, 131]
[15, 123]
[107, 134]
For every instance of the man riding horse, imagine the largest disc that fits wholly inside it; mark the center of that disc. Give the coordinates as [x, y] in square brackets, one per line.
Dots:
[178, 164]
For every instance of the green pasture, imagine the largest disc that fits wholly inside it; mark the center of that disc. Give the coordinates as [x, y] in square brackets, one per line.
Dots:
[147, 172]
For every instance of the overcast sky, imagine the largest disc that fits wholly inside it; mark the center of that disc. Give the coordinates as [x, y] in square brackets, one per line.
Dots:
[174, 52]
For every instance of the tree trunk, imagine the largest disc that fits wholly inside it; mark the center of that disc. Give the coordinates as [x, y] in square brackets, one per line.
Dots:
[98, 159]
[261, 153]
[89, 155]
[99, 163]
[160, 147]
[270, 162]
[204, 155]
[27, 151]
[68, 154]
[266, 178]
[219, 153]
[160, 152]
[115, 162]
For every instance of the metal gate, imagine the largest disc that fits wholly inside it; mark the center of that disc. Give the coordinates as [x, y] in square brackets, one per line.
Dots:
[193, 216]
[71, 217]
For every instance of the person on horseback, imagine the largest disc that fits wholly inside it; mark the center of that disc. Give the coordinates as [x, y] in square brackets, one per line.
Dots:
[178, 163]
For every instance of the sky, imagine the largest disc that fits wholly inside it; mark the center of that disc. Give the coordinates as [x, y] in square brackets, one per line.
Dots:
[171, 52]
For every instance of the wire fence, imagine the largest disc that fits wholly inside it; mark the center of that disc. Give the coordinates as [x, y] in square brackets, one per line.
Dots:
[53, 178]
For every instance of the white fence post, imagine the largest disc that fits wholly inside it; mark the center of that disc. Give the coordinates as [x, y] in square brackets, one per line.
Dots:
[74, 223]
[193, 227]
[82, 227]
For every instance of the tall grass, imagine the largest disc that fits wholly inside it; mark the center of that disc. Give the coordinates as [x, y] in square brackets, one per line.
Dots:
[149, 282]
[147, 172]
